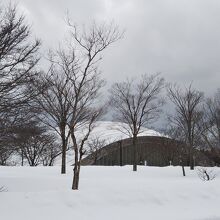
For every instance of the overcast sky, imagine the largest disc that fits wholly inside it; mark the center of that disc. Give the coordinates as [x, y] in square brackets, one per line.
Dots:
[179, 38]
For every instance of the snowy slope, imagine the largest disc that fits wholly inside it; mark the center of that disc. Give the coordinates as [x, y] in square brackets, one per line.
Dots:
[108, 193]
[113, 131]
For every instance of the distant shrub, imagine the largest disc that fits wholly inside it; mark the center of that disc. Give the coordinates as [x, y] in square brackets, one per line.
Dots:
[3, 189]
[205, 174]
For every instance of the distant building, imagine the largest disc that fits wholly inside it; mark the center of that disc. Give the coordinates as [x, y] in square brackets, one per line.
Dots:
[152, 151]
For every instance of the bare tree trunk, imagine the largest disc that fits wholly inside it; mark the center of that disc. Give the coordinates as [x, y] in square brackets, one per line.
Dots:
[135, 153]
[63, 163]
[191, 161]
[76, 171]
[183, 169]
[22, 158]
[121, 153]
[95, 160]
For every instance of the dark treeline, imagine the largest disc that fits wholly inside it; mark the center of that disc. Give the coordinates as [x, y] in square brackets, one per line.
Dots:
[42, 112]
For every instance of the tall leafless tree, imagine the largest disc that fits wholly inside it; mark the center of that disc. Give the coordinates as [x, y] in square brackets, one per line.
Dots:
[33, 141]
[86, 83]
[75, 86]
[179, 151]
[95, 145]
[210, 128]
[7, 122]
[187, 115]
[53, 91]
[51, 152]
[18, 57]
[137, 104]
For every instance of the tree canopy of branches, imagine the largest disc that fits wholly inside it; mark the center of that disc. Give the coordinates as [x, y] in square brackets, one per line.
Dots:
[10, 123]
[95, 145]
[174, 133]
[86, 83]
[70, 98]
[18, 58]
[210, 127]
[211, 132]
[187, 116]
[136, 104]
[54, 90]
[36, 144]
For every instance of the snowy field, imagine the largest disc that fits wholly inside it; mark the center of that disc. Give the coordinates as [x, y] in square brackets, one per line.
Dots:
[108, 193]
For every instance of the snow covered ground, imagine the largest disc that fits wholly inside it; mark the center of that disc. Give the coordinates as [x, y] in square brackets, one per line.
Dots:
[108, 193]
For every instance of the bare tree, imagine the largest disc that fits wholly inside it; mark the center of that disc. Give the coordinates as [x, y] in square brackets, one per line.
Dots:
[6, 138]
[54, 90]
[3, 189]
[212, 119]
[210, 128]
[178, 149]
[205, 174]
[187, 115]
[11, 122]
[136, 104]
[33, 141]
[94, 148]
[5, 154]
[75, 69]
[86, 83]
[51, 152]
[18, 57]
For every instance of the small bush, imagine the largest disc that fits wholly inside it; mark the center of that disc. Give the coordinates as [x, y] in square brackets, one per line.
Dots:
[205, 174]
[3, 189]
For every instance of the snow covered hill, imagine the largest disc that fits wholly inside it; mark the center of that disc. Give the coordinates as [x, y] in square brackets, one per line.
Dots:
[113, 131]
[108, 193]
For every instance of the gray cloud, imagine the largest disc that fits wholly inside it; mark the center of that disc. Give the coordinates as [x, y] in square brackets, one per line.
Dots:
[180, 39]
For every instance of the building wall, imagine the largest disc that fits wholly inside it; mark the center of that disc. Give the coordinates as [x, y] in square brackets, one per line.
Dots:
[152, 150]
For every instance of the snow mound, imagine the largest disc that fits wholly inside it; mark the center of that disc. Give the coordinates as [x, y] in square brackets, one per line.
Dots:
[114, 131]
